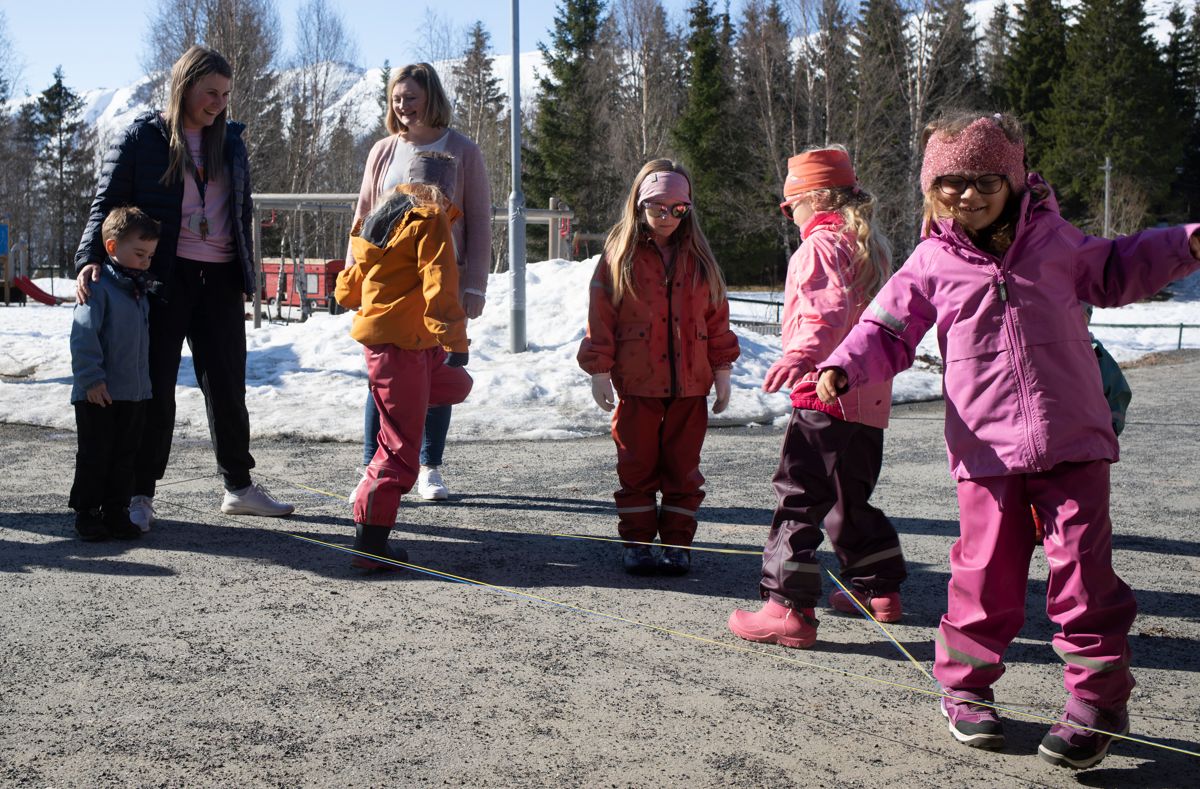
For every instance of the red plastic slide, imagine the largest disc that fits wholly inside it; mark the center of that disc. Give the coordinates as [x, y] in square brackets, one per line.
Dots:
[26, 286]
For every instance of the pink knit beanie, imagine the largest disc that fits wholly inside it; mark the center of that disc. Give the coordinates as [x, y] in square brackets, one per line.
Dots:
[980, 148]
[665, 186]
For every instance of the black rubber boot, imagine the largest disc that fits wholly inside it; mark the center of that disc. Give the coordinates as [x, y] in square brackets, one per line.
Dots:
[374, 540]
[89, 525]
[638, 560]
[675, 561]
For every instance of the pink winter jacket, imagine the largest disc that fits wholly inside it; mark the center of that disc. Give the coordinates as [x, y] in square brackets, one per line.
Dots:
[820, 308]
[1021, 383]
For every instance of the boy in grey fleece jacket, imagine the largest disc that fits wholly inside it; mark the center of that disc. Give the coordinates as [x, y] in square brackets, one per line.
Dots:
[110, 345]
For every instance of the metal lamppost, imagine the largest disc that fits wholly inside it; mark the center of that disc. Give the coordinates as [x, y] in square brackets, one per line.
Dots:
[516, 198]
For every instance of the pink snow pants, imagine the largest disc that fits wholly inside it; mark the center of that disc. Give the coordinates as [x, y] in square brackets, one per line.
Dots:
[404, 384]
[989, 568]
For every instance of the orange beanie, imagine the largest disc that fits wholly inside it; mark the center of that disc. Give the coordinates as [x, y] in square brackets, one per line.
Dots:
[821, 169]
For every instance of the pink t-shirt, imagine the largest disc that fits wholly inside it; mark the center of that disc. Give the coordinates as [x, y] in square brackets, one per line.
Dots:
[217, 245]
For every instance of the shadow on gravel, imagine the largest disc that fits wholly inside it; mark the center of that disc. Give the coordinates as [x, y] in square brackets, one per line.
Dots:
[65, 551]
[1126, 542]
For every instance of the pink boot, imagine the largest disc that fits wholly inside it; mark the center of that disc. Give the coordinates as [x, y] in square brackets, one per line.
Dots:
[776, 624]
[885, 608]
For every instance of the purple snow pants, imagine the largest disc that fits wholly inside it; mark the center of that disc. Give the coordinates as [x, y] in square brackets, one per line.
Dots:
[827, 471]
[989, 568]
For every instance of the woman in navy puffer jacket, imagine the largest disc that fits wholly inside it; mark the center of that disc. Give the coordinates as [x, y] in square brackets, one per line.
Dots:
[188, 169]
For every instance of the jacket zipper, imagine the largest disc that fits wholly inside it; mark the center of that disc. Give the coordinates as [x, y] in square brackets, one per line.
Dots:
[670, 324]
[1017, 363]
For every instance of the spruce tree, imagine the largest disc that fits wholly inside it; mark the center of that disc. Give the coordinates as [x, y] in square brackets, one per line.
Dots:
[881, 135]
[704, 143]
[956, 79]
[481, 114]
[1183, 63]
[993, 56]
[764, 73]
[568, 158]
[1036, 60]
[1114, 99]
[67, 179]
[835, 65]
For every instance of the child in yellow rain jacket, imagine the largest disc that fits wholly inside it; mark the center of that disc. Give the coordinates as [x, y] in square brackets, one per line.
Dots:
[404, 283]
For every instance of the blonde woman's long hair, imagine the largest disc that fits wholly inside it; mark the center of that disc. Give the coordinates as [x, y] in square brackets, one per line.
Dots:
[622, 242]
[195, 64]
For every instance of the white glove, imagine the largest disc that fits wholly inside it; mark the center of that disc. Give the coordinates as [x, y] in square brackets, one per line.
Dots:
[721, 379]
[602, 391]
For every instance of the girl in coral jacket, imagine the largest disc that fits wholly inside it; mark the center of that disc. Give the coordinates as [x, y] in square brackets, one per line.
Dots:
[1001, 275]
[404, 283]
[832, 453]
[658, 330]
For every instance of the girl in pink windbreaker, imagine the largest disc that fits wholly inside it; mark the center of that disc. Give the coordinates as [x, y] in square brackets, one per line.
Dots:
[832, 453]
[1002, 275]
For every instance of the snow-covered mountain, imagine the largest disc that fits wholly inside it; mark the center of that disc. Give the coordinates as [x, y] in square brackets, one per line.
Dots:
[357, 91]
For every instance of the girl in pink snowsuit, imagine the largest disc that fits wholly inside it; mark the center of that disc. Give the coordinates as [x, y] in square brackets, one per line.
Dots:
[831, 455]
[1001, 275]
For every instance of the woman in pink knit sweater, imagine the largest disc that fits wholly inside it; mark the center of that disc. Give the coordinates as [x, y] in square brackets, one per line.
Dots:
[418, 119]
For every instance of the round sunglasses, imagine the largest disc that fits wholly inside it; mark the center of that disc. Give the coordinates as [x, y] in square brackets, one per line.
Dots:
[678, 211]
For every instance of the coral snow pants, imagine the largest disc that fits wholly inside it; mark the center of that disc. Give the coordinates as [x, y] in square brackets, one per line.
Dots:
[404, 384]
[658, 449]
[989, 568]
[827, 471]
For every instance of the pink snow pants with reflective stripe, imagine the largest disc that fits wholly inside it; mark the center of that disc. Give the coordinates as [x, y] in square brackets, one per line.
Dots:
[404, 384]
[989, 568]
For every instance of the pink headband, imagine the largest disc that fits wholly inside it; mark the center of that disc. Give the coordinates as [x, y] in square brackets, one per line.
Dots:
[982, 147]
[665, 186]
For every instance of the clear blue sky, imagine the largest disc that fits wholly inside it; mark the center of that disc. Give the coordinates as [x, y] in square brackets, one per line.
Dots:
[100, 43]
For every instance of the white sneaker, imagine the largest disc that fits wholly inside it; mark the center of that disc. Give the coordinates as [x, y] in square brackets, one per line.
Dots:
[430, 485]
[141, 512]
[254, 500]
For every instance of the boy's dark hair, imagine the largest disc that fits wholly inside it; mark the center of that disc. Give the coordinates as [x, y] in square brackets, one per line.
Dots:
[128, 220]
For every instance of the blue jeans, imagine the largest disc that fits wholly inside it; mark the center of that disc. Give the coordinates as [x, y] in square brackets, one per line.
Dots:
[433, 443]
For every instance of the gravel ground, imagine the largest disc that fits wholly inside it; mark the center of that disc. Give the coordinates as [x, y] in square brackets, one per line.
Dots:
[226, 651]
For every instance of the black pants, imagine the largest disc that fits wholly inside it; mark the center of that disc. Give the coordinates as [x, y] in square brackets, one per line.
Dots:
[827, 471]
[204, 305]
[108, 443]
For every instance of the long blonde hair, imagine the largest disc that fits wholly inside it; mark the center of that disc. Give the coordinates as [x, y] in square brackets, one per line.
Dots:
[623, 240]
[872, 259]
[195, 64]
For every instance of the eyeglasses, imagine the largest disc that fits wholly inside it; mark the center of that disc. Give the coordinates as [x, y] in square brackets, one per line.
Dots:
[955, 185]
[788, 207]
[679, 210]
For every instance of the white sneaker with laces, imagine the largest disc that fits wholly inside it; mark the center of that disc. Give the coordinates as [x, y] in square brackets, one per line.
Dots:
[254, 500]
[141, 512]
[430, 485]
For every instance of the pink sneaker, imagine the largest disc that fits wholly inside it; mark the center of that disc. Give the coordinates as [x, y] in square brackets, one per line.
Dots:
[885, 608]
[776, 624]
